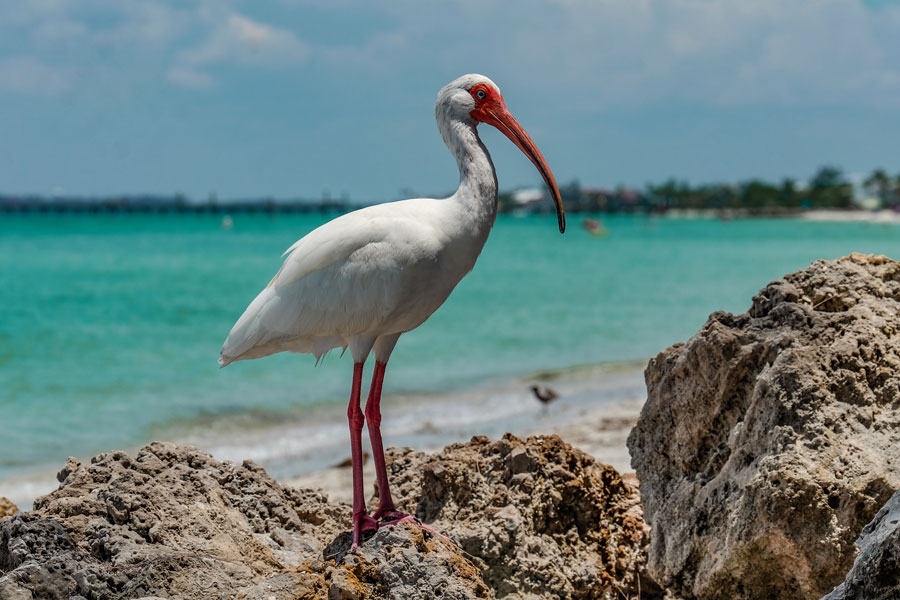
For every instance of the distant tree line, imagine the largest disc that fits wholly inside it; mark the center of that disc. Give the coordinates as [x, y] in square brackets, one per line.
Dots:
[884, 187]
[828, 189]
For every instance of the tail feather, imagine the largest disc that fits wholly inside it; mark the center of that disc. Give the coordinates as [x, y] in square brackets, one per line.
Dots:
[248, 331]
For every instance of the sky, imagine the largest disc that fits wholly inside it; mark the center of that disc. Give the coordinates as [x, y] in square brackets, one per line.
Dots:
[300, 98]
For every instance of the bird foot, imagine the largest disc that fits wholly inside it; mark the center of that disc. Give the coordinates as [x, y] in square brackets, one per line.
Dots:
[364, 527]
[395, 517]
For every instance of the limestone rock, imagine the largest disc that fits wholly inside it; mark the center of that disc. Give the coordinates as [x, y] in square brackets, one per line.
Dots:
[876, 572]
[544, 519]
[536, 519]
[171, 522]
[772, 437]
[175, 523]
[7, 508]
[405, 561]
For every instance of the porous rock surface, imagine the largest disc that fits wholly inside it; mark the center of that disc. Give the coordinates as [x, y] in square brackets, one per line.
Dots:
[772, 437]
[536, 519]
[175, 523]
[544, 519]
[876, 572]
[7, 507]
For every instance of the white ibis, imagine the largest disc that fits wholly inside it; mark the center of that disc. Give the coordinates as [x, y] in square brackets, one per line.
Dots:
[366, 277]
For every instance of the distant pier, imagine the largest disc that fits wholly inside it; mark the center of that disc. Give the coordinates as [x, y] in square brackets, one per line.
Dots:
[165, 205]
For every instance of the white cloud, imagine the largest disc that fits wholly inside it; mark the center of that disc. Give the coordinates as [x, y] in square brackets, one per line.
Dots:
[622, 53]
[25, 75]
[190, 78]
[602, 53]
[130, 40]
[125, 22]
[109, 45]
[147, 23]
[238, 40]
[245, 41]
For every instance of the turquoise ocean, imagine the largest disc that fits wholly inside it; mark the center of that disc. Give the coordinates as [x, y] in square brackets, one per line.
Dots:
[111, 325]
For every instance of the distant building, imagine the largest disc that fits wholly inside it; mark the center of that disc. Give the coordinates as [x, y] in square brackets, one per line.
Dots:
[527, 196]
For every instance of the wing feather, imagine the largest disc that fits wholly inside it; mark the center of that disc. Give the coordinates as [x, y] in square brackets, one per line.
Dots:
[341, 280]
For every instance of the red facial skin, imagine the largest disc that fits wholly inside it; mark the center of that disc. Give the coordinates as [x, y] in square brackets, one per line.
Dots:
[491, 109]
[492, 99]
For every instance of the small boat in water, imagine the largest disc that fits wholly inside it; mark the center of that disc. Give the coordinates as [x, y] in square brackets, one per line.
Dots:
[595, 227]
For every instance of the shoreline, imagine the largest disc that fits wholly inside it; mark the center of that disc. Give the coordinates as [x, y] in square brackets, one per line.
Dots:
[883, 216]
[597, 406]
[599, 428]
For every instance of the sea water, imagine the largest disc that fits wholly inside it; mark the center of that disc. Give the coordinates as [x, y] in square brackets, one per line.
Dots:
[110, 326]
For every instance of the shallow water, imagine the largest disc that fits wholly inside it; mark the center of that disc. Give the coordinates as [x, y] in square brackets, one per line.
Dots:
[111, 325]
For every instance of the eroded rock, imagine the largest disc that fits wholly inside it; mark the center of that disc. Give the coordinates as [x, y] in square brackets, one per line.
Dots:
[171, 521]
[175, 523]
[7, 507]
[771, 438]
[545, 519]
[536, 519]
[405, 561]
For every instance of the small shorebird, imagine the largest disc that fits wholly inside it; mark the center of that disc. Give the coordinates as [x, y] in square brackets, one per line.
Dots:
[363, 279]
[544, 394]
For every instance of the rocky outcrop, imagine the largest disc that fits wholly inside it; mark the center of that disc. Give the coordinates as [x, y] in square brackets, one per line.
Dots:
[173, 522]
[772, 437]
[544, 518]
[876, 572]
[7, 507]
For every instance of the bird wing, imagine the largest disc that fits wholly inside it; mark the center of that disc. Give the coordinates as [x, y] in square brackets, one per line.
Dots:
[340, 280]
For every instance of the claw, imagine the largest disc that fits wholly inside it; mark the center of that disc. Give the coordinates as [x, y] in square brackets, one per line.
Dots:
[395, 517]
[391, 517]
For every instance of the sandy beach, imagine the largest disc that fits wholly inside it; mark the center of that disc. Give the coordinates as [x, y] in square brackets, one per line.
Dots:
[597, 407]
[884, 216]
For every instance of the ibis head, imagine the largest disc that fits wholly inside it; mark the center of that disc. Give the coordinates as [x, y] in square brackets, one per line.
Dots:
[477, 99]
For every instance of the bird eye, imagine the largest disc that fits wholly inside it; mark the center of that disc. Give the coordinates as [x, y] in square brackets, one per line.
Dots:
[480, 93]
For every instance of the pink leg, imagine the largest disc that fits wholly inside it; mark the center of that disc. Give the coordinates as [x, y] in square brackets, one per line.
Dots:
[387, 513]
[361, 521]
[373, 420]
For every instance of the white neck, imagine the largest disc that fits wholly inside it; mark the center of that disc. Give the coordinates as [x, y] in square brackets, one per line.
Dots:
[477, 179]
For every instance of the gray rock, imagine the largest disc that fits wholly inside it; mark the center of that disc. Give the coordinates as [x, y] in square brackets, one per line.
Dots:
[403, 562]
[175, 523]
[771, 438]
[876, 572]
[536, 519]
[543, 518]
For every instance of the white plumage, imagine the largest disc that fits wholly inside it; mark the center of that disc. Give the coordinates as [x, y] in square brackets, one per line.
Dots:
[382, 270]
[374, 272]
[364, 278]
